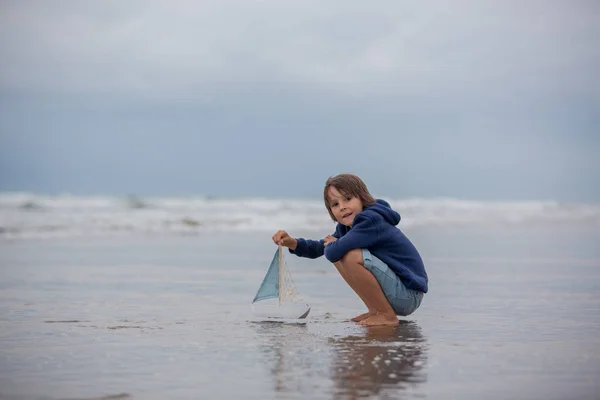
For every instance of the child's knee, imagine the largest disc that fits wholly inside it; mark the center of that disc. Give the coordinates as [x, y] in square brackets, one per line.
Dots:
[353, 257]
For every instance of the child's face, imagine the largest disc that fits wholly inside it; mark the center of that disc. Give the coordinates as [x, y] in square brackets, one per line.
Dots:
[344, 208]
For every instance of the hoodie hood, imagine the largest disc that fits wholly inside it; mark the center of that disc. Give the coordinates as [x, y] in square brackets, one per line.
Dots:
[383, 208]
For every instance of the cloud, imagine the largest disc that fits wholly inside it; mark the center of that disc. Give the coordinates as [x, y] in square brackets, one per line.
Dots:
[460, 98]
[191, 49]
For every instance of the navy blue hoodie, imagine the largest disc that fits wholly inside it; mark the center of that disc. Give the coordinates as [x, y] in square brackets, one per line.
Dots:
[374, 229]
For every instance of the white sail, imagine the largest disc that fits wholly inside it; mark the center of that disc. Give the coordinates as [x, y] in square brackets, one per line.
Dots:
[278, 284]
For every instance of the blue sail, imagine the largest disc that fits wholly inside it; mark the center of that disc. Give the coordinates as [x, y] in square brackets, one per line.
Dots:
[270, 285]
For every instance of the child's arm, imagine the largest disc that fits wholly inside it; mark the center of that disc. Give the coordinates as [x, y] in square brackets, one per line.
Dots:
[301, 247]
[364, 233]
[308, 248]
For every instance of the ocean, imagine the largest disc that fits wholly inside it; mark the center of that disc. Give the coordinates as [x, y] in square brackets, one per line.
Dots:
[149, 298]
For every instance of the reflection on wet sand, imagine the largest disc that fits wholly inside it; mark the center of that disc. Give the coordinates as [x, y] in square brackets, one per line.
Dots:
[291, 357]
[384, 361]
[377, 361]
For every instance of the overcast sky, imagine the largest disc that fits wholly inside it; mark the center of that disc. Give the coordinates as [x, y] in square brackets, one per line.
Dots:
[466, 99]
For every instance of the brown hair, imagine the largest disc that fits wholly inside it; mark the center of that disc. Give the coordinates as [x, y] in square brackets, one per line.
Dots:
[348, 185]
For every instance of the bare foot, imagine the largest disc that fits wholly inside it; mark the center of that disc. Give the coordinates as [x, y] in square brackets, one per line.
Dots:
[360, 317]
[379, 319]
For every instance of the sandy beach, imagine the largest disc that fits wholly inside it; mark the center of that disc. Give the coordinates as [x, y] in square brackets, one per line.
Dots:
[510, 314]
[149, 153]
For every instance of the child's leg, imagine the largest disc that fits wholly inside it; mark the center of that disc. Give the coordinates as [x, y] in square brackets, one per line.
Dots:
[347, 278]
[362, 281]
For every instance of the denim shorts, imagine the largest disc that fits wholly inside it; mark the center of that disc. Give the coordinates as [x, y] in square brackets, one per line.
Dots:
[404, 301]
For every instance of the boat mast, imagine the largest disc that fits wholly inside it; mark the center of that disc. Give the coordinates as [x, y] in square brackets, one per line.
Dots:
[280, 274]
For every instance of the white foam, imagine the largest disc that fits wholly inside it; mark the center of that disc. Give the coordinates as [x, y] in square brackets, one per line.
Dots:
[24, 215]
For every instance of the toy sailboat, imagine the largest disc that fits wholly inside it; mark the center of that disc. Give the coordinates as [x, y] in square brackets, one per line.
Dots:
[278, 284]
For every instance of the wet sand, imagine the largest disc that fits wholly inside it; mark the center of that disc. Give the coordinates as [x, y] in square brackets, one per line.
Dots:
[509, 315]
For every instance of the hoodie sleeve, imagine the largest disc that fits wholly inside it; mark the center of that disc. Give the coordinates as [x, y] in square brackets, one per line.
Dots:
[363, 234]
[309, 248]
[313, 248]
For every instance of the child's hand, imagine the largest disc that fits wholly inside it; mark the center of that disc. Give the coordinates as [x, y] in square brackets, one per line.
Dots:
[282, 238]
[329, 239]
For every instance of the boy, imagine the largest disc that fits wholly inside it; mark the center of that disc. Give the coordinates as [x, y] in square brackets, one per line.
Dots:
[372, 255]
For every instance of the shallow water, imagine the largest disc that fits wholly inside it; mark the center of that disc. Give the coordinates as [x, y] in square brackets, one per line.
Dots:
[510, 314]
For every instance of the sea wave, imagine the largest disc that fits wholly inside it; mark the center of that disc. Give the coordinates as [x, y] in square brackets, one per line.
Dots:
[25, 215]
